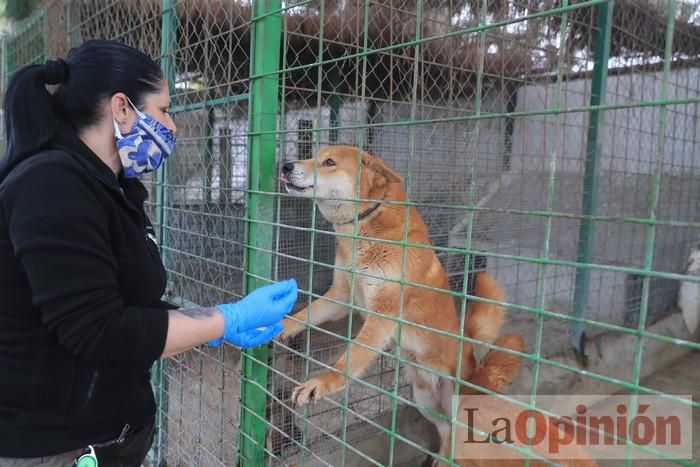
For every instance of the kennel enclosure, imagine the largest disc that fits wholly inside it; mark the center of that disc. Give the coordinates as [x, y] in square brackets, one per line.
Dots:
[553, 144]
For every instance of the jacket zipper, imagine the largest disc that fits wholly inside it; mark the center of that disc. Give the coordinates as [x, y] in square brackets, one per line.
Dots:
[91, 388]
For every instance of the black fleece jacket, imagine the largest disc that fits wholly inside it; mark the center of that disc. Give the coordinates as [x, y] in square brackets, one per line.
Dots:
[81, 321]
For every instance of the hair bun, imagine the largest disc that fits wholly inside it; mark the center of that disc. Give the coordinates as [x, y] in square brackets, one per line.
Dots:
[55, 71]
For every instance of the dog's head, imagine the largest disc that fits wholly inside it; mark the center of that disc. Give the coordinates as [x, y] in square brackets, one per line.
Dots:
[332, 177]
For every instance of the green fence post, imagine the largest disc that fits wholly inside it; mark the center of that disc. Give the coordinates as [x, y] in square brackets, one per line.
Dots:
[263, 112]
[167, 64]
[511, 107]
[586, 236]
[10, 54]
[72, 11]
[334, 102]
[4, 64]
[209, 153]
[651, 227]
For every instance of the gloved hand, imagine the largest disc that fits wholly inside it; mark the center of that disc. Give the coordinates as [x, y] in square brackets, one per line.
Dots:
[255, 319]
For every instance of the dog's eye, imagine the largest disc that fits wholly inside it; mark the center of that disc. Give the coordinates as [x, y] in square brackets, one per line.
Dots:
[329, 163]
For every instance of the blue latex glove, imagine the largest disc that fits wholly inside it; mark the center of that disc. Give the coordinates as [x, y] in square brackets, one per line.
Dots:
[255, 319]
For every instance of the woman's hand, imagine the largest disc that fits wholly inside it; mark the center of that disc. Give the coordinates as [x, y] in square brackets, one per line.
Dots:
[255, 319]
[252, 321]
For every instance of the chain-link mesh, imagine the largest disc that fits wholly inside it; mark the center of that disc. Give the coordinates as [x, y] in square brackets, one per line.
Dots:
[205, 223]
[485, 108]
[552, 144]
[27, 46]
[198, 203]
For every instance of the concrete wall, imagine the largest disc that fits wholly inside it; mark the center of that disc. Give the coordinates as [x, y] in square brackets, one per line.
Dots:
[630, 138]
[631, 141]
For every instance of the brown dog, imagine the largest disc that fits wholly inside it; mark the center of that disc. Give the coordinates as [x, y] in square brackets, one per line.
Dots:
[332, 177]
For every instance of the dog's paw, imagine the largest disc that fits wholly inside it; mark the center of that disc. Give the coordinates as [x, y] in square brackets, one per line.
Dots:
[291, 329]
[316, 388]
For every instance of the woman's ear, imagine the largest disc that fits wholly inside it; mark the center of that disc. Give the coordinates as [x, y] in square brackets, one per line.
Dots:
[119, 108]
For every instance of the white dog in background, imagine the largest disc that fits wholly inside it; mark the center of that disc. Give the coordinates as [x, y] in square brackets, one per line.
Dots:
[689, 293]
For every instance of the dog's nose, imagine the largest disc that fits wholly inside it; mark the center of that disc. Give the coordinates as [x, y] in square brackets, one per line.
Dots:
[288, 167]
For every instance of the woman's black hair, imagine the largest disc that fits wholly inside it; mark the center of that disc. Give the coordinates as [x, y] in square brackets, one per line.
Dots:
[92, 72]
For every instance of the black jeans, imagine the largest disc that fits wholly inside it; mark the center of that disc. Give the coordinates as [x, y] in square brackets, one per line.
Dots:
[130, 451]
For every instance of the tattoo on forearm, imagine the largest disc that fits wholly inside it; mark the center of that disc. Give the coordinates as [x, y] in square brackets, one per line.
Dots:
[198, 313]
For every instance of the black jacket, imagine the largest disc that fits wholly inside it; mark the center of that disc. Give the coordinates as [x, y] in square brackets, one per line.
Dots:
[81, 321]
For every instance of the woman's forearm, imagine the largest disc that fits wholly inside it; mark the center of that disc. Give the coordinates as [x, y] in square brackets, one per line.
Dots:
[190, 327]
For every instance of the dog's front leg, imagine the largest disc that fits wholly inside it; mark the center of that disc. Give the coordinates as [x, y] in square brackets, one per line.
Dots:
[320, 311]
[376, 333]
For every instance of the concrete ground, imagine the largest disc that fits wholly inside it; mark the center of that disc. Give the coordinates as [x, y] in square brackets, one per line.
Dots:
[682, 377]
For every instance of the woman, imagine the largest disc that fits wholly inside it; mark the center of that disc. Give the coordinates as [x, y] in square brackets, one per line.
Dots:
[81, 321]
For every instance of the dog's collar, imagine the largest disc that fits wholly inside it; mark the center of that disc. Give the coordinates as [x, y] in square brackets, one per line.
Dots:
[363, 214]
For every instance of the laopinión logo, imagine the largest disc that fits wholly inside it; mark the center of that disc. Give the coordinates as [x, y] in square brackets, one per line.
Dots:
[573, 427]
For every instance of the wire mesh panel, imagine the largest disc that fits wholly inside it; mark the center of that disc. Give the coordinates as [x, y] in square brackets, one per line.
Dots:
[197, 203]
[204, 221]
[533, 138]
[26, 46]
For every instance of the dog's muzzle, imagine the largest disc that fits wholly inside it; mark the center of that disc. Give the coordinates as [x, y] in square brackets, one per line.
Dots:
[290, 178]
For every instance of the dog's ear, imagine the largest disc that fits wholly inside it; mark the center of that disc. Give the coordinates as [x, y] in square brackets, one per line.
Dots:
[378, 166]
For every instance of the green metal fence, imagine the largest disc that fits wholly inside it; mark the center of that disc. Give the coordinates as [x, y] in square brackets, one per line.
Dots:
[552, 144]
[26, 46]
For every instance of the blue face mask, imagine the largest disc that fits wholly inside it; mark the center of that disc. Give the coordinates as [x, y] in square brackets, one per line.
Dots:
[144, 148]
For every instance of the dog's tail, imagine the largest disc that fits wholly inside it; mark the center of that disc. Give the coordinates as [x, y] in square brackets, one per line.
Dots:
[497, 368]
[494, 372]
[484, 320]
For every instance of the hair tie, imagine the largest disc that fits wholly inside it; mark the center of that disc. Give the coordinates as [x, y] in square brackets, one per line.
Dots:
[55, 71]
